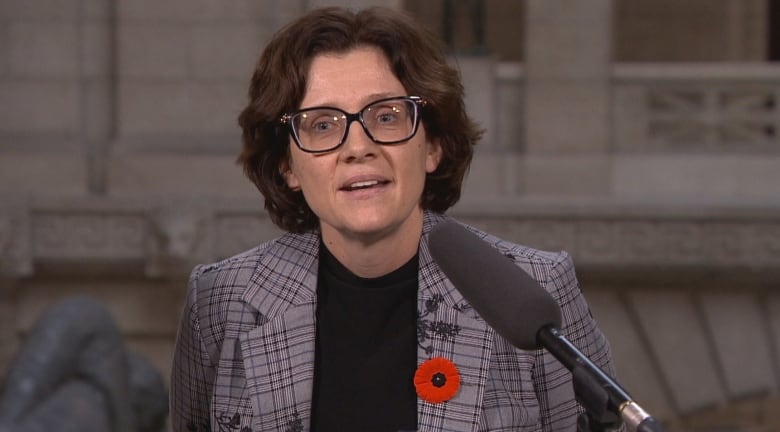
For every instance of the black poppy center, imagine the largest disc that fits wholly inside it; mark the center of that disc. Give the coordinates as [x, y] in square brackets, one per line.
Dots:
[438, 379]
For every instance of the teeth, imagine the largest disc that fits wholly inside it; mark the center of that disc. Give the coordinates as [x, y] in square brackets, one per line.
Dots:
[363, 184]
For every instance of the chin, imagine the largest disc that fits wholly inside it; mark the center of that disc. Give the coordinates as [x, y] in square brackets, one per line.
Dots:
[375, 223]
[370, 225]
[365, 227]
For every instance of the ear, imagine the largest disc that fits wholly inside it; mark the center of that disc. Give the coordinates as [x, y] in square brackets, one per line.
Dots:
[433, 157]
[285, 169]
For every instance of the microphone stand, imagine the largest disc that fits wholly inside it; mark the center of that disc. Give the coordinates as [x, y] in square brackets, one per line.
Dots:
[595, 400]
[605, 402]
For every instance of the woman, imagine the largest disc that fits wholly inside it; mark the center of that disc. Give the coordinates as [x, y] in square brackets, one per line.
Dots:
[357, 136]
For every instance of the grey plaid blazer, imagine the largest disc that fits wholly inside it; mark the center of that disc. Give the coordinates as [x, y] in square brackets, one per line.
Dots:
[244, 357]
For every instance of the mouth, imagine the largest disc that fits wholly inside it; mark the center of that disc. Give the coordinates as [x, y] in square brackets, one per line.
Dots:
[367, 184]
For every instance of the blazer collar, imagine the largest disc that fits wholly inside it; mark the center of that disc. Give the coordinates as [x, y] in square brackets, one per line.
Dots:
[286, 274]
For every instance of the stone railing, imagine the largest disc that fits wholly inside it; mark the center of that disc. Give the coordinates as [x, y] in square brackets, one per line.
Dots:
[159, 235]
[669, 108]
[682, 108]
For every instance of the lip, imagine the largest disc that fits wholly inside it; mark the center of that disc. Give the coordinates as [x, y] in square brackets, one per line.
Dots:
[362, 179]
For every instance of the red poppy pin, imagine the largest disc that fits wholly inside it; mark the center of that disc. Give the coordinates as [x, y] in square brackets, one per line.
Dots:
[437, 380]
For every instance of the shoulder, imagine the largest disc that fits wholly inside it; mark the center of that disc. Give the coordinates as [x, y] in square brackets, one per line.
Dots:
[205, 278]
[539, 263]
[217, 292]
[230, 276]
[554, 270]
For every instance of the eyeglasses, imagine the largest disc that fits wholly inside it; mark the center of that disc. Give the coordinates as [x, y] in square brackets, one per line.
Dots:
[386, 121]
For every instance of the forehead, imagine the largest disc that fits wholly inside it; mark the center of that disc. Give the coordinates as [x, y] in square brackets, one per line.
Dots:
[350, 79]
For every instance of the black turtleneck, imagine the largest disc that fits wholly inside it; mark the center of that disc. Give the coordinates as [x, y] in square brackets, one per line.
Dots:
[366, 349]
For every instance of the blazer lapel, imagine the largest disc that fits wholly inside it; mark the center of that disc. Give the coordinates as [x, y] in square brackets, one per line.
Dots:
[278, 354]
[448, 327]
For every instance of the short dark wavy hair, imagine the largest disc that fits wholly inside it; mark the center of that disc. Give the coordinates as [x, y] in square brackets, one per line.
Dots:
[416, 57]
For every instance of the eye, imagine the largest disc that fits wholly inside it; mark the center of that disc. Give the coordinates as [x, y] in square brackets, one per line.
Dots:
[323, 125]
[387, 114]
[319, 122]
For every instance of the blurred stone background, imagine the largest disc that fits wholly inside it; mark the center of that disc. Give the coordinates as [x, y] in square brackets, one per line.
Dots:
[642, 136]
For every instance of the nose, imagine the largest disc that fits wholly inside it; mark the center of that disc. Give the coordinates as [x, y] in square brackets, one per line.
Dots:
[357, 144]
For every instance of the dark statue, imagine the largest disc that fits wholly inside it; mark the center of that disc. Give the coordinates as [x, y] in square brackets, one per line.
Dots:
[74, 374]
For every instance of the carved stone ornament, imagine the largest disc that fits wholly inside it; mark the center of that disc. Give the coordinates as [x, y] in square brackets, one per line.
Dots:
[179, 237]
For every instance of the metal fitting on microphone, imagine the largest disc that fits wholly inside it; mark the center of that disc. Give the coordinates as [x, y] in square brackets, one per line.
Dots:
[638, 419]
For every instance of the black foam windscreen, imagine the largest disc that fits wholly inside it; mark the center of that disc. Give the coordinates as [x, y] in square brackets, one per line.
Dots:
[505, 296]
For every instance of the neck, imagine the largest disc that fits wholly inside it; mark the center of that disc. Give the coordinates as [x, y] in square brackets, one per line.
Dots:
[374, 255]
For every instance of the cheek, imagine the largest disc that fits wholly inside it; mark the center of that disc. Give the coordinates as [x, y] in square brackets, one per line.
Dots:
[311, 173]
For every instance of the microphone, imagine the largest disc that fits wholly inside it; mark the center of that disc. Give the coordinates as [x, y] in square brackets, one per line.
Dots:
[518, 308]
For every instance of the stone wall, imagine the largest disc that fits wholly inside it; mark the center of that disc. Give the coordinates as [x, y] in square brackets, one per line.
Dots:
[118, 140]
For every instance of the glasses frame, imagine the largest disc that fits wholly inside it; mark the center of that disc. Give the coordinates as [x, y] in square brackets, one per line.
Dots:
[417, 102]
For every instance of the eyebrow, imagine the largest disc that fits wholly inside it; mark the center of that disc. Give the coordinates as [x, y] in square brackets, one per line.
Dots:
[376, 96]
[367, 100]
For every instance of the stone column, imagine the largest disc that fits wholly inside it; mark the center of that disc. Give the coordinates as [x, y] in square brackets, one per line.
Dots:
[567, 102]
[478, 73]
[97, 48]
[568, 54]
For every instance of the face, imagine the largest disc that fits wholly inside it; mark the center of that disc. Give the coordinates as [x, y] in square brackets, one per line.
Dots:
[361, 191]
